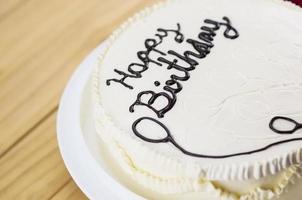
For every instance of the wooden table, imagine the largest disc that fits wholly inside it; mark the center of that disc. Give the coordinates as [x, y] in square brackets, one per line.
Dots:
[41, 44]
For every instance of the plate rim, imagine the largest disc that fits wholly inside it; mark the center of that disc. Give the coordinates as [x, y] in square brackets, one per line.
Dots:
[68, 125]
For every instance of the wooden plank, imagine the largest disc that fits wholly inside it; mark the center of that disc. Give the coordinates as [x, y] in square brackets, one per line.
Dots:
[41, 43]
[7, 7]
[33, 169]
[69, 191]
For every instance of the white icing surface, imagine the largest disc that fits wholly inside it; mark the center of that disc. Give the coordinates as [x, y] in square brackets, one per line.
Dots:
[233, 93]
[225, 106]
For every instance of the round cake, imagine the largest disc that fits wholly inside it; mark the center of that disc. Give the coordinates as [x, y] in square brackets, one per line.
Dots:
[204, 96]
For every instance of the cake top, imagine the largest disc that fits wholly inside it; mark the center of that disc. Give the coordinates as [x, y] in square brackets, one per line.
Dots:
[212, 82]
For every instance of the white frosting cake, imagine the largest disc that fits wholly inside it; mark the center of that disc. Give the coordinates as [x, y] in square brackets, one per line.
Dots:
[205, 96]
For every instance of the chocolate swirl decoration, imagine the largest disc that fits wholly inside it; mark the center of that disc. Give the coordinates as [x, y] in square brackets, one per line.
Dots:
[296, 125]
[169, 138]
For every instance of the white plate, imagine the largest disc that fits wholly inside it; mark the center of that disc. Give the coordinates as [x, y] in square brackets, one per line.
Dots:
[78, 142]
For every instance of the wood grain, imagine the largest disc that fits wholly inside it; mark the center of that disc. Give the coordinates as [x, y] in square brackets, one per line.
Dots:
[33, 169]
[41, 43]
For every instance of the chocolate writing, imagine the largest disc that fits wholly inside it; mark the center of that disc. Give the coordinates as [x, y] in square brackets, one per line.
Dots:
[135, 70]
[202, 47]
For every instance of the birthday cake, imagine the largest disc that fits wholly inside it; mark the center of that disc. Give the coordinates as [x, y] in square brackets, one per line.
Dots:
[204, 96]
